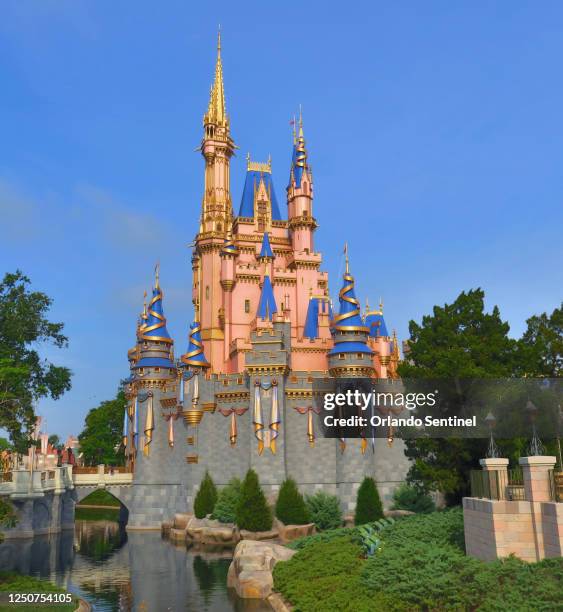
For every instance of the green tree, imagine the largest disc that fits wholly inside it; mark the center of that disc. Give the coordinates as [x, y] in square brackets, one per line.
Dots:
[24, 376]
[458, 341]
[55, 441]
[324, 510]
[5, 444]
[368, 503]
[227, 503]
[206, 497]
[541, 346]
[103, 432]
[290, 505]
[253, 512]
[407, 497]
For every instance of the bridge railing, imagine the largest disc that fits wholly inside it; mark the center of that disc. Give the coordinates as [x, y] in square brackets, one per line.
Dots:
[101, 476]
[23, 483]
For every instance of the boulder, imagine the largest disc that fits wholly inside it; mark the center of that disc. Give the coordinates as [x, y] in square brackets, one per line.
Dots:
[177, 535]
[181, 520]
[259, 535]
[165, 527]
[250, 572]
[397, 513]
[209, 531]
[287, 533]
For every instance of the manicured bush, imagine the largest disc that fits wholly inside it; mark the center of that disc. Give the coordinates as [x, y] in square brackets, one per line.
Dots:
[368, 504]
[407, 497]
[253, 512]
[206, 497]
[324, 510]
[419, 564]
[227, 503]
[326, 575]
[290, 505]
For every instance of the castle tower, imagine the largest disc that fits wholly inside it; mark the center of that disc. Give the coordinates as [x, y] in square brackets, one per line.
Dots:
[379, 339]
[152, 381]
[217, 148]
[302, 225]
[350, 357]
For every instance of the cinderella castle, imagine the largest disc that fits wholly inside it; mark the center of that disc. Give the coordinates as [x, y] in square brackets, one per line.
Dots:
[264, 330]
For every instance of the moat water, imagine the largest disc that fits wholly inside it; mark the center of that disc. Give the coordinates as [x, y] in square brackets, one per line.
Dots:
[114, 569]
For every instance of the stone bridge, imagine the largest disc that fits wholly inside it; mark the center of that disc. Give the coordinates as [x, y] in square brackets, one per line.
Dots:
[45, 500]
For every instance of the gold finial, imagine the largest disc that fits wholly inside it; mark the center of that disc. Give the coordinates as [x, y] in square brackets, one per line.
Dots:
[300, 122]
[346, 258]
[367, 305]
[248, 161]
[381, 304]
[157, 275]
[216, 111]
[269, 161]
[396, 353]
[294, 130]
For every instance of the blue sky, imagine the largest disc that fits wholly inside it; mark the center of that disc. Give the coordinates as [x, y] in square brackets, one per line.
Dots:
[434, 130]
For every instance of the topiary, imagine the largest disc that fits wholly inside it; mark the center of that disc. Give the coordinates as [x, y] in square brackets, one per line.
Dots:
[368, 504]
[227, 503]
[206, 497]
[290, 505]
[324, 510]
[407, 497]
[253, 512]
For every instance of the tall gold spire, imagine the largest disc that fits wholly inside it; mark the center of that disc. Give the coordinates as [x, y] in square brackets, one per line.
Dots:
[217, 110]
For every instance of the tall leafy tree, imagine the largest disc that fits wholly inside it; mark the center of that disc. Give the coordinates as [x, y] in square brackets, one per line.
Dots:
[541, 346]
[458, 341]
[102, 433]
[25, 377]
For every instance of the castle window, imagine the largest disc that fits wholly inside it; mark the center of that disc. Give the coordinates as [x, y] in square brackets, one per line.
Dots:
[340, 355]
[219, 227]
[157, 369]
[359, 356]
[246, 305]
[207, 292]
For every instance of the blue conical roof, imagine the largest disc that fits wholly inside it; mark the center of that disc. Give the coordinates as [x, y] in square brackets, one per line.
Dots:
[348, 319]
[376, 324]
[266, 250]
[195, 355]
[155, 327]
[267, 305]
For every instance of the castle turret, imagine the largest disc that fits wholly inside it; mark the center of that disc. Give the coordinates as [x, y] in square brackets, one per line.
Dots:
[300, 196]
[266, 256]
[350, 356]
[379, 339]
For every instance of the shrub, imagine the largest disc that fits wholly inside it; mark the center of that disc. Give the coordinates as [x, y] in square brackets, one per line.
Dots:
[326, 575]
[227, 503]
[205, 498]
[368, 504]
[290, 505]
[407, 497]
[324, 510]
[253, 512]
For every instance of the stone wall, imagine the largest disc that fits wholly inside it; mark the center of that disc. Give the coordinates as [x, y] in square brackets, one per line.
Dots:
[530, 529]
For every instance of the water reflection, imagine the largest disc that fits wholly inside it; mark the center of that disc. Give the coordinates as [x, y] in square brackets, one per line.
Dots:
[116, 570]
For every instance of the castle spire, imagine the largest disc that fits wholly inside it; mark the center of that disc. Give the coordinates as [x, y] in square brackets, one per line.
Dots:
[217, 110]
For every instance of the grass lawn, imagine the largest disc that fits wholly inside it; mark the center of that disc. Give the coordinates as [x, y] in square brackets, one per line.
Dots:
[16, 583]
[100, 497]
[420, 565]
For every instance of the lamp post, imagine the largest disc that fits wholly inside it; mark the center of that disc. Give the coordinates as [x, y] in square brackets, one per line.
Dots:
[536, 447]
[492, 451]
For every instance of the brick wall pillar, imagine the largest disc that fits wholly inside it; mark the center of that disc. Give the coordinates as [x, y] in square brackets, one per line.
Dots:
[497, 483]
[535, 471]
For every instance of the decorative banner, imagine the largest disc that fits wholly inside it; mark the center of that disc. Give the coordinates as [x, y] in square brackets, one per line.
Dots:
[274, 418]
[363, 444]
[342, 445]
[126, 426]
[136, 425]
[234, 412]
[149, 426]
[257, 418]
[195, 396]
[171, 418]
[181, 389]
[309, 411]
